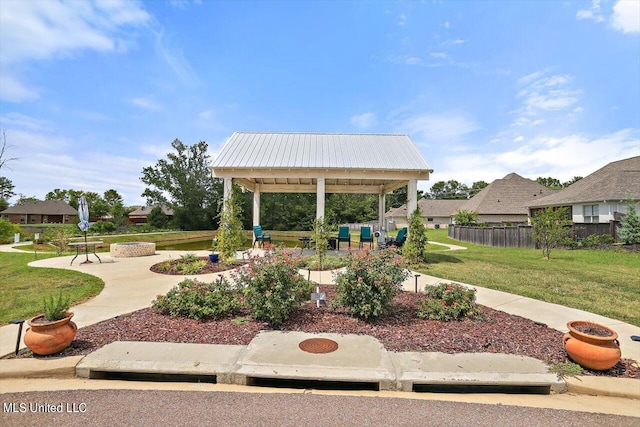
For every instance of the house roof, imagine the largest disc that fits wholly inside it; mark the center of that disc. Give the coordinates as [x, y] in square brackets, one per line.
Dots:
[146, 210]
[509, 195]
[320, 150]
[616, 181]
[429, 207]
[42, 207]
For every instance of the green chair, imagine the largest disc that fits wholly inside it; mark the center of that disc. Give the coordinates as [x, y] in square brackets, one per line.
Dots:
[344, 235]
[259, 237]
[366, 237]
[401, 237]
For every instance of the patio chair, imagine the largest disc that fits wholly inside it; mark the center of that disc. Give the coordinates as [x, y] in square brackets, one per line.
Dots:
[259, 237]
[343, 235]
[401, 237]
[366, 236]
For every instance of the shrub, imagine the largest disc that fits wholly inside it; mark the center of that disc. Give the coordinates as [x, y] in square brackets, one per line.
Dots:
[369, 283]
[55, 308]
[596, 240]
[449, 301]
[7, 231]
[199, 300]
[629, 230]
[415, 249]
[102, 227]
[465, 217]
[273, 288]
[193, 267]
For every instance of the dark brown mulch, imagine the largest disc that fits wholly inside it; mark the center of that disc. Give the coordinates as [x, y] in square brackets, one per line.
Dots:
[211, 267]
[400, 330]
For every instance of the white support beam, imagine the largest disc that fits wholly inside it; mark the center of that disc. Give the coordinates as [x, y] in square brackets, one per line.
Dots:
[228, 182]
[248, 184]
[320, 190]
[412, 196]
[381, 209]
[256, 205]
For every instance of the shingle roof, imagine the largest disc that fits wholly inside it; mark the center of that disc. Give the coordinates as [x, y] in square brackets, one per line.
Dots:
[320, 150]
[430, 207]
[615, 181]
[43, 207]
[509, 195]
[146, 210]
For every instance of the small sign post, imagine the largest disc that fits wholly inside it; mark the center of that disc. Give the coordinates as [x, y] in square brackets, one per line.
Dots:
[35, 245]
[319, 297]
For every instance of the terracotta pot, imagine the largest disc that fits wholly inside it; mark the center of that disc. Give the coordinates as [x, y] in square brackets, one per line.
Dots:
[45, 338]
[591, 351]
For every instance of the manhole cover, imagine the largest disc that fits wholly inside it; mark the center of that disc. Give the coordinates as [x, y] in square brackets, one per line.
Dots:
[318, 345]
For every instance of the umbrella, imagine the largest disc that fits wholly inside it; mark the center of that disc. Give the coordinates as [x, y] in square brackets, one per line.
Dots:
[83, 225]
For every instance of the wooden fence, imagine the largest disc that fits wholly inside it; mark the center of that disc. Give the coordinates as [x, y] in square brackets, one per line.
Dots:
[521, 236]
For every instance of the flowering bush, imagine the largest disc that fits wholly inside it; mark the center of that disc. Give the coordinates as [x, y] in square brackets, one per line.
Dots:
[272, 286]
[369, 282]
[197, 300]
[449, 301]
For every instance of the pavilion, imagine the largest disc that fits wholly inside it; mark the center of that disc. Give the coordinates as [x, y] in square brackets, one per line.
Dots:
[269, 162]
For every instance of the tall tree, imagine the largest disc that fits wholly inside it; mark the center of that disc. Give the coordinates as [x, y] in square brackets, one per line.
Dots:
[451, 189]
[6, 192]
[4, 149]
[571, 181]
[184, 182]
[549, 182]
[476, 187]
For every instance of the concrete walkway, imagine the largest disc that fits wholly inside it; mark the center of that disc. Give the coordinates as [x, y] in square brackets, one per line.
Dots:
[130, 285]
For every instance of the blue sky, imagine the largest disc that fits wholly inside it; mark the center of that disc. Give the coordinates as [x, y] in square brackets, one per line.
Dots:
[92, 92]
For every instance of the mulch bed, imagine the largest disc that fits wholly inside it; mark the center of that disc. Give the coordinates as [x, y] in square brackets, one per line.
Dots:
[400, 330]
[210, 267]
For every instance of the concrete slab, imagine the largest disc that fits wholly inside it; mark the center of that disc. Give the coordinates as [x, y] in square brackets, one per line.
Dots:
[358, 358]
[472, 369]
[163, 358]
[627, 388]
[62, 367]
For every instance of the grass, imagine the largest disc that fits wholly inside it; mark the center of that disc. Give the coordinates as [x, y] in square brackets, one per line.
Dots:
[23, 288]
[605, 282]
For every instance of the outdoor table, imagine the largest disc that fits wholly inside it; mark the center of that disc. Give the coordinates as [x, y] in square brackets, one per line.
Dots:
[86, 246]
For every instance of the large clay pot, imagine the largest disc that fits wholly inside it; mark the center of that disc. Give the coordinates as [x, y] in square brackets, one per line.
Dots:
[45, 338]
[592, 351]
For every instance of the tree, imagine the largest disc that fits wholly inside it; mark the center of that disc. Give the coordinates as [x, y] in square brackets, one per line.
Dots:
[451, 189]
[6, 192]
[552, 183]
[183, 181]
[571, 181]
[629, 231]
[477, 187]
[549, 228]
[465, 217]
[4, 148]
[23, 200]
[157, 218]
[415, 248]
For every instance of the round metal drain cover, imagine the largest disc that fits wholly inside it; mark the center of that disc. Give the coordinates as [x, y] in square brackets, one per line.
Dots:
[318, 345]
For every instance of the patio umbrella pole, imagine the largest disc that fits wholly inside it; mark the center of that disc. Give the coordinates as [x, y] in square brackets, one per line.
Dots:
[86, 248]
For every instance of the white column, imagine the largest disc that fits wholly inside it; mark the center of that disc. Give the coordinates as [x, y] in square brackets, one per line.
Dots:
[382, 197]
[228, 182]
[320, 198]
[412, 196]
[256, 205]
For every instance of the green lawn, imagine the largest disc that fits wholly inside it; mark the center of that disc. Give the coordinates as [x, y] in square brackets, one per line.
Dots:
[22, 288]
[605, 282]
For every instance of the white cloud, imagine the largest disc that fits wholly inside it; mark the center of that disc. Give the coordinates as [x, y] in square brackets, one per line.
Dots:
[543, 94]
[145, 103]
[626, 16]
[38, 30]
[174, 57]
[518, 139]
[22, 121]
[437, 127]
[364, 121]
[592, 13]
[440, 55]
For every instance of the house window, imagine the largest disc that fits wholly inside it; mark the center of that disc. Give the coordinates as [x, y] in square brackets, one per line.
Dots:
[66, 219]
[23, 219]
[591, 213]
[429, 219]
[33, 219]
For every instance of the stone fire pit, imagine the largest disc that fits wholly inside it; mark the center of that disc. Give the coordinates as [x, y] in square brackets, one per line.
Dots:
[132, 249]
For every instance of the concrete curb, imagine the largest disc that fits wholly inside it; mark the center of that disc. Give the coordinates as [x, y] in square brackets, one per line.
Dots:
[627, 388]
[64, 367]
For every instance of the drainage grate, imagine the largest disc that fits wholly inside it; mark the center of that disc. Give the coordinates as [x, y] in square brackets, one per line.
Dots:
[481, 388]
[153, 377]
[311, 384]
[318, 345]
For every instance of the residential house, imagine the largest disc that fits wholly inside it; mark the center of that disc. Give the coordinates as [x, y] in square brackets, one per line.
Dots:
[436, 213]
[41, 212]
[599, 198]
[139, 216]
[505, 201]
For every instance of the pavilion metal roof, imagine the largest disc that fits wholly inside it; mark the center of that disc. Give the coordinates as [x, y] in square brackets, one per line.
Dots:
[276, 150]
